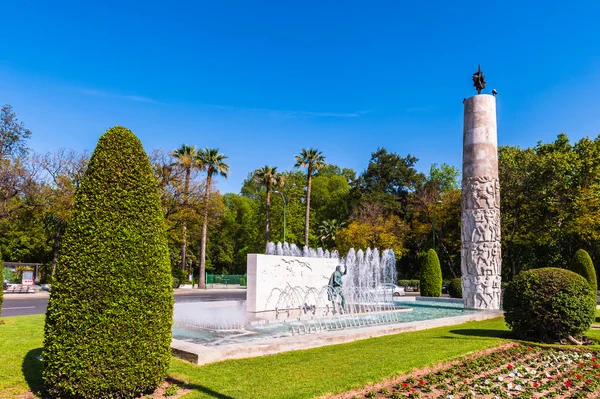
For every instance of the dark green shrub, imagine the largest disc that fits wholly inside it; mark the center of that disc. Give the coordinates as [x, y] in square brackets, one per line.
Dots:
[108, 324]
[548, 304]
[455, 288]
[242, 281]
[582, 264]
[1, 292]
[179, 276]
[409, 284]
[431, 275]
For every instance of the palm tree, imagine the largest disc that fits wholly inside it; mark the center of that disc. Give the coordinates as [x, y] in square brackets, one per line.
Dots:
[269, 177]
[328, 230]
[185, 157]
[313, 160]
[211, 161]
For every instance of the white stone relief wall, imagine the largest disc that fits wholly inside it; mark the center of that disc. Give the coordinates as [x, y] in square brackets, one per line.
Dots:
[481, 257]
[268, 274]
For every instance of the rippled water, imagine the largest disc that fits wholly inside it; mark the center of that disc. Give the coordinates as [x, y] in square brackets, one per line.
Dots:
[420, 310]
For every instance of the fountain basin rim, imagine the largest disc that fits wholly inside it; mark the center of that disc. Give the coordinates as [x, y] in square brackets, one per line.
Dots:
[201, 354]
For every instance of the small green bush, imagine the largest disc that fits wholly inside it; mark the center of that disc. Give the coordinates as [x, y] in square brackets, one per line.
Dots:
[242, 281]
[431, 275]
[108, 323]
[455, 288]
[414, 284]
[175, 282]
[582, 264]
[1, 293]
[548, 304]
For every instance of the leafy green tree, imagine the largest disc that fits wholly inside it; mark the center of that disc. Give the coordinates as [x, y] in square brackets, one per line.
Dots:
[431, 275]
[268, 177]
[328, 231]
[311, 159]
[582, 264]
[186, 157]
[108, 323]
[13, 134]
[330, 198]
[388, 180]
[213, 162]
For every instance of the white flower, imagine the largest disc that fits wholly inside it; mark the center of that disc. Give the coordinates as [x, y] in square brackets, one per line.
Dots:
[486, 382]
[533, 372]
[518, 388]
[511, 375]
[500, 378]
[510, 385]
[450, 397]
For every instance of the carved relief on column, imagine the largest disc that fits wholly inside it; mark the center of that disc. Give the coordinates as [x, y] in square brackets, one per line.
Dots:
[481, 262]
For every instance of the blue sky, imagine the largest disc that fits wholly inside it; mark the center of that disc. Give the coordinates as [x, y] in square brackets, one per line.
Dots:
[261, 80]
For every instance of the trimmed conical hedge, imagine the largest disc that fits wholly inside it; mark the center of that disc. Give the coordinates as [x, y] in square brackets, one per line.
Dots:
[431, 275]
[582, 264]
[108, 323]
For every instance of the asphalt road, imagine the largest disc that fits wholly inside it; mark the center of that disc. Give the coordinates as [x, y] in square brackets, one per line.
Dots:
[27, 304]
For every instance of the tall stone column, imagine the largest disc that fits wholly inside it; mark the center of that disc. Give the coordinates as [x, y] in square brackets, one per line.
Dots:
[481, 261]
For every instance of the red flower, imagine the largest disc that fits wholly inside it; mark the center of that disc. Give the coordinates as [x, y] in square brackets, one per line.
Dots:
[510, 366]
[578, 377]
[530, 348]
[404, 385]
[465, 382]
[595, 365]
[515, 346]
[581, 364]
[421, 382]
[588, 381]
[593, 359]
[536, 384]
[412, 389]
[550, 378]
[495, 360]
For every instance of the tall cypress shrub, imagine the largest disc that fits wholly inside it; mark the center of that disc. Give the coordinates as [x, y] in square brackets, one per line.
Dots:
[108, 323]
[431, 275]
[582, 264]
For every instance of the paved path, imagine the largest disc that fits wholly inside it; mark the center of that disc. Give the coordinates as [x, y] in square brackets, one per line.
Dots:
[27, 304]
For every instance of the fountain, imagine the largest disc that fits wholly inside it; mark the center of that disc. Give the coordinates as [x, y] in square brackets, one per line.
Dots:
[291, 304]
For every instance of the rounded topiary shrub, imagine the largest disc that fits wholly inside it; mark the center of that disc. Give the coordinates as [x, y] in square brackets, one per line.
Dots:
[455, 288]
[108, 323]
[548, 304]
[582, 264]
[431, 275]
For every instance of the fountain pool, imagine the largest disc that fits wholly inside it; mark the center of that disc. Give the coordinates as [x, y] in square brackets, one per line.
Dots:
[222, 333]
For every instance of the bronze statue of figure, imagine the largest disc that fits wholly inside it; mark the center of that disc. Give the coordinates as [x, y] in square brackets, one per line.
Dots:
[334, 288]
[479, 80]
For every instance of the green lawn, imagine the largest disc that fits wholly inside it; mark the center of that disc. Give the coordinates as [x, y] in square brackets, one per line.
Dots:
[300, 374]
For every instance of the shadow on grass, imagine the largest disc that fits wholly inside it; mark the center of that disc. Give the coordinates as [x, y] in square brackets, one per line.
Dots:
[597, 320]
[32, 370]
[200, 388]
[472, 332]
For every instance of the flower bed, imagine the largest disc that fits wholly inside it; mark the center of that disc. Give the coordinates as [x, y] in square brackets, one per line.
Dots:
[514, 371]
